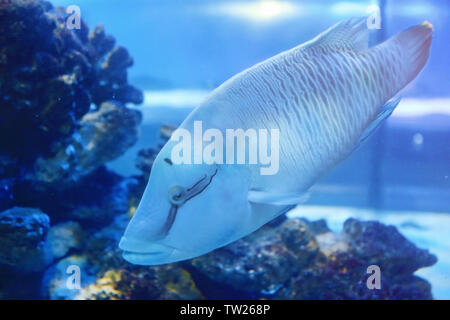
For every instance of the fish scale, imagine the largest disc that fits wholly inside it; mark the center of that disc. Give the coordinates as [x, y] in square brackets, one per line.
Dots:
[297, 91]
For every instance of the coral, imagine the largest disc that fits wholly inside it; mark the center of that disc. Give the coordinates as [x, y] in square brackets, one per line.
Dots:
[289, 259]
[19, 284]
[144, 163]
[65, 236]
[6, 192]
[342, 271]
[303, 260]
[62, 97]
[93, 201]
[146, 157]
[104, 135]
[63, 115]
[133, 282]
[23, 239]
[108, 277]
[262, 262]
[386, 247]
[105, 288]
[50, 78]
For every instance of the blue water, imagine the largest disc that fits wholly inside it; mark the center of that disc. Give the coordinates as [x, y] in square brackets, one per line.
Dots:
[200, 43]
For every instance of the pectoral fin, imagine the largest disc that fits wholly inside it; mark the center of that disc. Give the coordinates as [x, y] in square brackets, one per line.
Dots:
[384, 113]
[279, 199]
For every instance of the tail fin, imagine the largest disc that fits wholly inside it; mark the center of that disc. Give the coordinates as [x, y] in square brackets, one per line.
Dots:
[414, 43]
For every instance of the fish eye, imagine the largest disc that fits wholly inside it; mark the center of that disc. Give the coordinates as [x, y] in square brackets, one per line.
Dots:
[177, 195]
[168, 161]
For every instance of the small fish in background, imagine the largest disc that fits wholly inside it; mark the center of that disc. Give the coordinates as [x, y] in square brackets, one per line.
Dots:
[325, 96]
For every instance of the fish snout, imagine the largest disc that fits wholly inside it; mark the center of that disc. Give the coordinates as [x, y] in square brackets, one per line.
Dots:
[144, 252]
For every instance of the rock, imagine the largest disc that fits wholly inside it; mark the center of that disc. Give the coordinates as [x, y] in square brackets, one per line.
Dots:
[63, 94]
[134, 282]
[103, 136]
[317, 227]
[19, 284]
[93, 201]
[105, 275]
[65, 236]
[285, 261]
[342, 273]
[101, 198]
[104, 288]
[262, 262]
[385, 246]
[103, 42]
[23, 241]
[144, 161]
[108, 133]
[298, 259]
[6, 193]
[118, 59]
[166, 131]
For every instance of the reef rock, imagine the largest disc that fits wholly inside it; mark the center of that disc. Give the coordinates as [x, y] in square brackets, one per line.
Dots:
[6, 193]
[63, 115]
[289, 261]
[65, 236]
[146, 157]
[62, 95]
[262, 262]
[92, 201]
[50, 75]
[23, 239]
[105, 275]
[144, 161]
[342, 272]
[133, 282]
[103, 136]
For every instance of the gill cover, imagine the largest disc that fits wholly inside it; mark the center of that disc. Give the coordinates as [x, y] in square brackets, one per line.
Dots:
[178, 195]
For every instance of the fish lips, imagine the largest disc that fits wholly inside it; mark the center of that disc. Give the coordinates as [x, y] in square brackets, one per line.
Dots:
[141, 253]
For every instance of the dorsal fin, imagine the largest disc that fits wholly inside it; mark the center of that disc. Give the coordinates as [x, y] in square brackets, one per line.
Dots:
[351, 34]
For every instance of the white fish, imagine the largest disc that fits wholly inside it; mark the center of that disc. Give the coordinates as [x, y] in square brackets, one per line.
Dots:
[325, 97]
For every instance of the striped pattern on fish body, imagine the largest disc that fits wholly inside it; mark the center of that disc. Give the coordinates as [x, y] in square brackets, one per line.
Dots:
[325, 97]
[324, 93]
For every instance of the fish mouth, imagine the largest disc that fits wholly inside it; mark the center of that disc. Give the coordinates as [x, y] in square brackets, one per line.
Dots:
[141, 253]
[147, 259]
